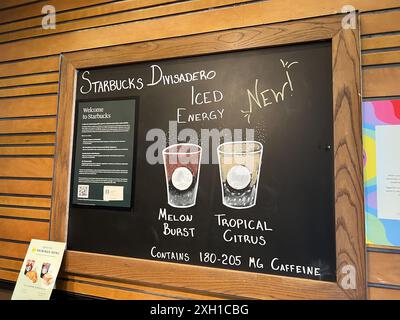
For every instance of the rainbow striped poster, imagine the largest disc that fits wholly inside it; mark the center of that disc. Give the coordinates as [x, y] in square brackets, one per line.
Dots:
[381, 126]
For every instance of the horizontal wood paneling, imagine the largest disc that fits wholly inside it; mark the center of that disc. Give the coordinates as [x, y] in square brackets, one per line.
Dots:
[35, 9]
[380, 22]
[80, 14]
[384, 268]
[390, 41]
[23, 230]
[27, 187]
[8, 275]
[14, 3]
[377, 58]
[10, 264]
[176, 8]
[381, 82]
[26, 167]
[12, 249]
[383, 294]
[25, 213]
[25, 201]
[222, 19]
[91, 12]
[27, 139]
[29, 90]
[28, 106]
[29, 80]
[26, 151]
[110, 9]
[31, 66]
[28, 125]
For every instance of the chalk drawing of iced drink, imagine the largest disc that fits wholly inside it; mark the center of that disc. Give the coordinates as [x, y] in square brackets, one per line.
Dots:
[182, 169]
[239, 168]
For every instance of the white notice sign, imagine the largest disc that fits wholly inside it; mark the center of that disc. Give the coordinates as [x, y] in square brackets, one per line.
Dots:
[39, 271]
[388, 171]
[113, 193]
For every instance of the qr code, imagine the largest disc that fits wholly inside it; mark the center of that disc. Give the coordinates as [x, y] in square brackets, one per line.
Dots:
[83, 191]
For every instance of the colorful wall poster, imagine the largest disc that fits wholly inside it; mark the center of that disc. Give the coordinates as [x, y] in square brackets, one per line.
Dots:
[39, 271]
[381, 138]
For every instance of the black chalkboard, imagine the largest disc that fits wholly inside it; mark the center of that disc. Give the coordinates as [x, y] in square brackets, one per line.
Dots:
[274, 215]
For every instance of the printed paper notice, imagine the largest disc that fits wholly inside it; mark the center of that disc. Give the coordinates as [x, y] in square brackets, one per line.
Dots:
[113, 193]
[39, 271]
[103, 169]
[388, 171]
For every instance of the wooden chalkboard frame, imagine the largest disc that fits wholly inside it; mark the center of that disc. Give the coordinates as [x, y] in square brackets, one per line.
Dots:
[348, 166]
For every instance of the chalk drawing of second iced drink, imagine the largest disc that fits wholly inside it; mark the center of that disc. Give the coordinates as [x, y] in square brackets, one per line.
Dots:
[182, 169]
[239, 166]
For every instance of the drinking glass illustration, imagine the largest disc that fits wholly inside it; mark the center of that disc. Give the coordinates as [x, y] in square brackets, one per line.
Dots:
[239, 167]
[182, 168]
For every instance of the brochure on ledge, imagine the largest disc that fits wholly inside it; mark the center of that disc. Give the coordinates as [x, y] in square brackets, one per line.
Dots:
[39, 271]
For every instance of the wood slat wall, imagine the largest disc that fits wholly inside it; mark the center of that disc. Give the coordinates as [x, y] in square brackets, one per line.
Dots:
[13, 250]
[381, 58]
[29, 66]
[14, 3]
